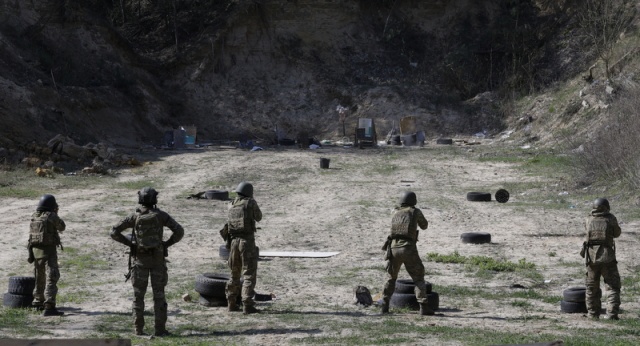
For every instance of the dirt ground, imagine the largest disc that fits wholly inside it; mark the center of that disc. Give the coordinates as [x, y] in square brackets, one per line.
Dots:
[346, 208]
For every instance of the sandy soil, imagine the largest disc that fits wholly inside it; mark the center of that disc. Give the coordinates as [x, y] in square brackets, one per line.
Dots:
[346, 208]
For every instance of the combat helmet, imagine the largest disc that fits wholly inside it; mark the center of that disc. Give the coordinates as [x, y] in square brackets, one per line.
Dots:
[148, 196]
[409, 198]
[601, 204]
[245, 189]
[47, 203]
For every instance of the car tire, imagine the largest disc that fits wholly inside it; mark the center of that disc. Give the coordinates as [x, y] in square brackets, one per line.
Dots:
[22, 285]
[408, 286]
[404, 301]
[502, 196]
[217, 195]
[444, 141]
[574, 294]
[17, 300]
[211, 284]
[479, 197]
[573, 307]
[475, 238]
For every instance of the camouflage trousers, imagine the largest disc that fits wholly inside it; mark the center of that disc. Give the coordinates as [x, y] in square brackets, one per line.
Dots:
[47, 275]
[243, 260]
[140, 280]
[407, 255]
[609, 272]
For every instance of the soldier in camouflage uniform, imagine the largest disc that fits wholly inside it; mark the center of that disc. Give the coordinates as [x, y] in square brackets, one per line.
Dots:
[599, 251]
[242, 217]
[149, 256]
[401, 249]
[44, 238]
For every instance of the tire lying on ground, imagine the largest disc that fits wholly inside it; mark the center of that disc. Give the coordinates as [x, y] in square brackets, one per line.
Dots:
[574, 294]
[17, 300]
[502, 196]
[408, 286]
[573, 307]
[22, 285]
[409, 301]
[217, 195]
[479, 196]
[211, 284]
[444, 141]
[475, 238]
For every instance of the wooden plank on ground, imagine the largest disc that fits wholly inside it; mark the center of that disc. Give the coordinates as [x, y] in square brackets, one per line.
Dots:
[308, 254]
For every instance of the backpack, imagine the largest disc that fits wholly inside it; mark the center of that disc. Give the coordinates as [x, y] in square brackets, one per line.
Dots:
[39, 233]
[238, 218]
[148, 230]
[597, 231]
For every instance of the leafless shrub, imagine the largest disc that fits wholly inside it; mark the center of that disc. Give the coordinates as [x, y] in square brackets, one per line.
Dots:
[612, 153]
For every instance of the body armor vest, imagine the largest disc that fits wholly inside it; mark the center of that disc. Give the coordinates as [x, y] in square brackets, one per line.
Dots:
[238, 218]
[599, 233]
[403, 224]
[148, 230]
[39, 233]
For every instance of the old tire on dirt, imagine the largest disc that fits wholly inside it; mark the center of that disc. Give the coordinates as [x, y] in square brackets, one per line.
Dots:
[574, 294]
[22, 285]
[475, 238]
[573, 307]
[217, 195]
[407, 286]
[404, 301]
[212, 301]
[502, 196]
[479, 197]
[211, 284]
[444, 141]
[223, 252]
[17, 300]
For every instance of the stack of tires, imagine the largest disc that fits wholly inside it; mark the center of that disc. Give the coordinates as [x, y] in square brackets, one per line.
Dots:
[574, 300]
[211, 287]
[404, 296]
[20, 292]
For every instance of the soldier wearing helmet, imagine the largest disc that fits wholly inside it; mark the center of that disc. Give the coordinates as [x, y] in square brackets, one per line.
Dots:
[44, 238]
[148, 253]
[243, 257]
[599, 251]
[401, 249]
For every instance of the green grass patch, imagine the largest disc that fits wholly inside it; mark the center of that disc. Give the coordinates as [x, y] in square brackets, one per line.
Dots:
[482, 262]
[75, 261]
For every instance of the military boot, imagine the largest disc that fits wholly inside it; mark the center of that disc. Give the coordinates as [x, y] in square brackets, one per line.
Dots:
[162, 332]
[250, 309]
[425, 310]
[233, 306]
[611, 317]
[384, 307]
[139, 331]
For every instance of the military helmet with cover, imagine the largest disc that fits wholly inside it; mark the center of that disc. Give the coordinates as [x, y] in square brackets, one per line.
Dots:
[47, 203]
[601, 204]
[245, 189]
[148, 196]
[409, 198]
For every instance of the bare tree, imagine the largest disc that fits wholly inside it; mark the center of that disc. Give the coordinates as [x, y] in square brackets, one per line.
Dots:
[603, 21]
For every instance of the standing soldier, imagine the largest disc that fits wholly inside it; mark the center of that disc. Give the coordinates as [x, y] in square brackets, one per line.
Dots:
[599, 251]
[149, 252]
[401, 249]
[241, 221]
[44, 238]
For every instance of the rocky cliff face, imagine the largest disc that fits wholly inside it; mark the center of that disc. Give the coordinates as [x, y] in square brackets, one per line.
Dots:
[123, 72]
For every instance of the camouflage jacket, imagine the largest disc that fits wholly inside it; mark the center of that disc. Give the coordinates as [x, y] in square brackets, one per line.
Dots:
[421, 222]
[254, 215]
[602, 253]
[54, 223]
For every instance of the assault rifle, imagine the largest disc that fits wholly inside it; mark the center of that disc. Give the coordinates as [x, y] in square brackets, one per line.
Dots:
[132, 254]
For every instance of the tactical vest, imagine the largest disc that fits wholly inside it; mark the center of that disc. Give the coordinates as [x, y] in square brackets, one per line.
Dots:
[238, 219]
[404, 224]
[40, 232]
[148, 230]
[598, 232]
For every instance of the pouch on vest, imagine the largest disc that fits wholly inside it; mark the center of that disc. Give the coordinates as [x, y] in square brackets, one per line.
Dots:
[39, 233]
[236, 218]
[598, 231]
[148, 230]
